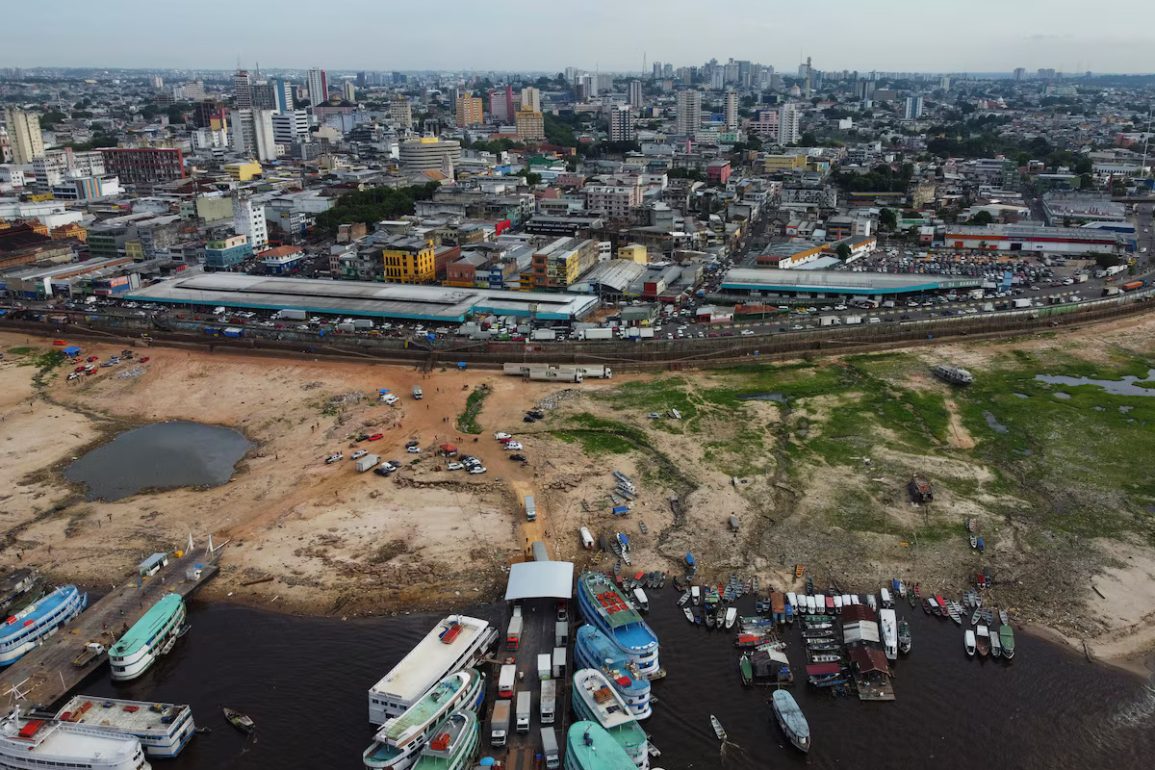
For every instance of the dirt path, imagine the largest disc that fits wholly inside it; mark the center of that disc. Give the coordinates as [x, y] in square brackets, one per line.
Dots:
[960, 437]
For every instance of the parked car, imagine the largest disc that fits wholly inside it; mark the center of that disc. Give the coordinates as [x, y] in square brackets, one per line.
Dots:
[513, 446]
[413, 450]
[502, 436]
[333, 458]
[376, 437]
[384, 469]
[358, 454]
[477, 469]
[517, 458]
[454, 466]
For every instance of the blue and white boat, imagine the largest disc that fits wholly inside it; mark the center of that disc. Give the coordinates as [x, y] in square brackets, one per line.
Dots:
[604, 607]
[28, 628]
[593, 649]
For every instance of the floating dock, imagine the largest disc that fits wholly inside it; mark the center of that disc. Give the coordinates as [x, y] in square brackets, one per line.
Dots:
[47, 674]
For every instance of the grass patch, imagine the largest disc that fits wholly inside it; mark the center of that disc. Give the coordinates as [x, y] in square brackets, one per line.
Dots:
[46, 363]
[599, 436]
[21, 350]
[467, 420]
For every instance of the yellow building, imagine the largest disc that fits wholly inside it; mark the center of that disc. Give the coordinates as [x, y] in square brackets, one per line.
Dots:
[530, 126]
[559, 264]
[634, 252]
[470, 110]
[244, 171]
[70, 230]
[773, 163]
[409, 260]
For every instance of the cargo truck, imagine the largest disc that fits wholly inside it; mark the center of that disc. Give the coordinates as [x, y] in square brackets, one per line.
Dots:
[505, 680]
[543, 335]
[418, 393]
[362, 324]
[293, 315]
[499, 723]
[543, 666]
[530, 508]
[598, 333]
[367, 462]
[548, 700]
[1022, 302]
[513, 633]
[524, 705]
[234, 332]
[549, 750]
[558, 670]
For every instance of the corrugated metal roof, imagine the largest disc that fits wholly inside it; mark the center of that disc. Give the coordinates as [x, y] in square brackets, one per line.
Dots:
[539, 579]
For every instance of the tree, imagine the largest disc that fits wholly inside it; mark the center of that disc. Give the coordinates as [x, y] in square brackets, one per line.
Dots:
[982, 218]
[808, 139]
[843, 251]
[887, 219]
[1105, 260]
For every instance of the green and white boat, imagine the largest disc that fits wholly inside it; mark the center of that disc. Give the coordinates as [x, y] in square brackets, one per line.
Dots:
[589, 747]
[149, 638]
[402, 738]
[1007, 640]
[453, 745]
[595, 700]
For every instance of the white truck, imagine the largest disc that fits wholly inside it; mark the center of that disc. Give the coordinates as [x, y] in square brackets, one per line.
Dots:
[598, 333]
[558, 660]
[547, 706]
[524, 706]
[293, 315]
[418, 393]
[543, 667]
[1021, 302]
[549, 750]
[367, 462]
[530, 508]
[506, 679]
[543, 335]
[499, 723]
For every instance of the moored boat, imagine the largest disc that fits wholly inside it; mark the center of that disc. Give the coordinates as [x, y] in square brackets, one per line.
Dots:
[590, 747]
[149, 638]
[996, 645]
[593, 649]
[1007, 641]
[983, 637]
[718, 729]
[1003, 617]
[969, 642]
[596, 701]
[27, 743]
[904, 640]
[242, 722]
[731, 616]
[746, 669]
[641, 600]
[688, 613]
[163, 729]
[399, 741]
[791, 719]
[889, 631]
[27, 628]
[453, 745]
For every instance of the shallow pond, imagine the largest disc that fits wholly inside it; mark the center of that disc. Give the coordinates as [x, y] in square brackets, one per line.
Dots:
[1128, 386]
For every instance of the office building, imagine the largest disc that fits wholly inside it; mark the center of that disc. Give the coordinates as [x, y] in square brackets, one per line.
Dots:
[497, 111]
[349, 91]
[318, 84]
[283, 95]
[913, 108]
[622, 123]
[252, 134]
[530, 125]
[634, 94]
[788, 116]
[243, 90]
[531, 99]
[470, 110]
[249, 220]
[143, 165]
[689, 112]
[400, 112]
[290, 127]
[731, 110]
[56, 166]
[24, 134]
[1020, 73]
[428, 153]
[656, 71]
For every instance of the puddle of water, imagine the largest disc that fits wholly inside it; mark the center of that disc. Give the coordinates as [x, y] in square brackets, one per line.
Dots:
[777, 398]
[1128, 386]
[1063, 396]
[993, 423]
[163, 455]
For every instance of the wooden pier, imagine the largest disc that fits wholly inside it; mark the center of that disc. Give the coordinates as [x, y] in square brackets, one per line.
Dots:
[46, 674]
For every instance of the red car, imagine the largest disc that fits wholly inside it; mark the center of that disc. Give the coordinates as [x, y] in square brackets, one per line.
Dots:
[79, 368]
[90, 359]
[376, 437]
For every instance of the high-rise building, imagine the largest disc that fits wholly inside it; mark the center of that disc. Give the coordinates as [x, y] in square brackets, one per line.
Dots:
[510, 109]
[530, 125]
[913, 108]
[264, 96]
[400, 112]
[290, 127]
[243, 89]
[252, 134]
[944, 82]
[428, 153]
[249, 220]
[497, 110]
[531, 99]
[689, 112]
[622, 123]
[788, 117]
[143, 165]
[24, 134]
[349, 91]
[362, 81]
[1020, 73]
[656, 71]
[731, 110]
[635, 94]
[283, 96]
[470, 110]
[318, 87]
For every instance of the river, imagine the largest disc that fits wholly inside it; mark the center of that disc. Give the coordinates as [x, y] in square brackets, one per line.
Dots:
[304, 681]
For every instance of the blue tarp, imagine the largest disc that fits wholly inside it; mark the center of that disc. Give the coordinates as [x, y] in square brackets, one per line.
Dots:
[620, 510]
[72, 350]
[690, 559]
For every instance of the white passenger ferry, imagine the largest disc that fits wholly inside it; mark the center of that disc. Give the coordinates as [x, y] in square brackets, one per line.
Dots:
[455, 643]
[45, 744]
[149, 638]
[400, 740]
[163, 729]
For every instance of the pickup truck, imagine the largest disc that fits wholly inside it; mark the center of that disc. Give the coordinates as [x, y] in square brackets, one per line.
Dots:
[89, 653]
[336, 457]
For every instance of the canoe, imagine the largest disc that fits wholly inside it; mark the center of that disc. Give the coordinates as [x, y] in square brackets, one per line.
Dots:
[996, 645]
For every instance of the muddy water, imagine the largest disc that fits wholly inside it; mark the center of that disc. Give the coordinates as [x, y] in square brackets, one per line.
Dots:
[163, 455]
[1128, 386]
[304, 681]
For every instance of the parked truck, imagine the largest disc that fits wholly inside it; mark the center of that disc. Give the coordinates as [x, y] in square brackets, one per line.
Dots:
[293, 315]
[549, 750]
[1021, 302]
[418, 393]
[530, 508]
[543, 335]
[558, 669]
[1110, 291]
[513, 633]
[598, 333]
[548, 701]
[367, 462]
[234, 331]
[543, 666]
[362, 324]
[505, 680]
[524, 705]
[499, 723]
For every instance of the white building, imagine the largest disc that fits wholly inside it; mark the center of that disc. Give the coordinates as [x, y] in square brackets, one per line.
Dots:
[318, 87]
[731, 110]
[635, 94]
[290, 127]
[55, 166]
[252, 134]
[913, 108]
[615, 198]
[689, 112]
[788, 116]
[531, 99]
[249, 220]
[622, 123]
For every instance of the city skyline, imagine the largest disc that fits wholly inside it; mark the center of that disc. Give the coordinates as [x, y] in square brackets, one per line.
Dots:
[987, 37]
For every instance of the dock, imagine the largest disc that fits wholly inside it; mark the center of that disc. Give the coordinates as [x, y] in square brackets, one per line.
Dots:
[46, 674]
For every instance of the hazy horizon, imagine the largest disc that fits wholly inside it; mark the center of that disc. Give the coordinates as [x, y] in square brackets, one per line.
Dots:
[984, 36]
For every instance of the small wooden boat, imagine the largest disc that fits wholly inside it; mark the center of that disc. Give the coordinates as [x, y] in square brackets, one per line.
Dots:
[1004, 617]
[955, 612]
[825, 657]
[941, 602]
[689, 614]
[969, 643]
[996, 645]
[904, 637]
[717, 728]
[976, 617]
[696, 594]
[974, 542]
[984, 640]
[746, 669]
[731, 616]
[918, 590]
[242, 722]
[685, 597]
[927, 606]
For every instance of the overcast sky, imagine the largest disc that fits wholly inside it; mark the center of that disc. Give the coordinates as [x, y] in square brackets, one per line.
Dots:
[903, 35]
